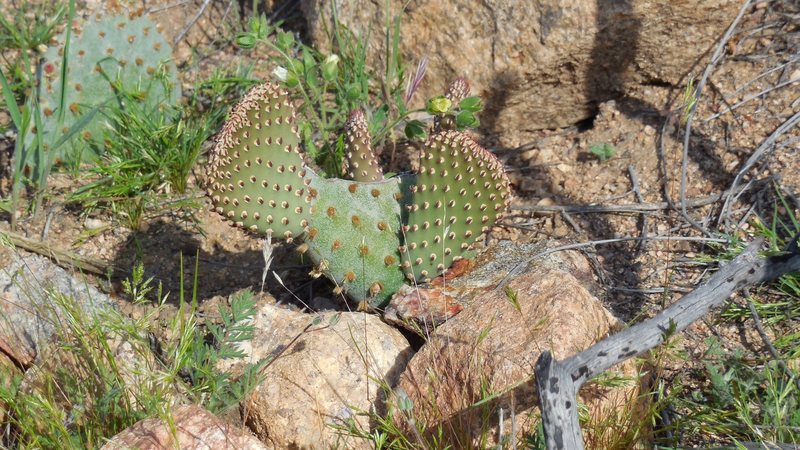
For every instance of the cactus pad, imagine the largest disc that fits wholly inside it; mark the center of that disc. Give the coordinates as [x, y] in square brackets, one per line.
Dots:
[354, 235]
[360, 162]
[256, 176]
[460, 191]
[106, 53]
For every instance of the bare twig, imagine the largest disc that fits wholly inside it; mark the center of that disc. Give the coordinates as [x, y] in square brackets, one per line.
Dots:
[191, 23]
[715, 58]
[63, 258]
[754, 96]
[640, 199]
[768, 143]
[634, 208]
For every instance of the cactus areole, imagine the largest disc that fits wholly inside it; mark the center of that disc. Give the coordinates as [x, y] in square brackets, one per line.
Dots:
[368, 235]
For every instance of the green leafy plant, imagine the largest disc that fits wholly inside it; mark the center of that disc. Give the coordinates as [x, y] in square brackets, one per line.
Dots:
[84, 392]
[330, 85]
[603, 152]
[148, 157]
[367, 234]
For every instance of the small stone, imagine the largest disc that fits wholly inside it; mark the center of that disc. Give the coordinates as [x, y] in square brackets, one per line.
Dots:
[93, 224]
[649, 131]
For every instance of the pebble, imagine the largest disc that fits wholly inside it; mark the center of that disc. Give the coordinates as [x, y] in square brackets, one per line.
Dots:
[94, 224]
[649, 131]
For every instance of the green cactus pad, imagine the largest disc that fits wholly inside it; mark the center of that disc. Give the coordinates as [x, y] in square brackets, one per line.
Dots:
[360, 161]
[354, 236]
[256, 176]
[106, 53]
[459, 193]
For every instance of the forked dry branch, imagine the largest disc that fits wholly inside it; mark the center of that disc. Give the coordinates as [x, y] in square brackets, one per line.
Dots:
[559, 381]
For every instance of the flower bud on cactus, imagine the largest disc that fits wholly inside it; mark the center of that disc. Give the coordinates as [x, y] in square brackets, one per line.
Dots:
[458, 90]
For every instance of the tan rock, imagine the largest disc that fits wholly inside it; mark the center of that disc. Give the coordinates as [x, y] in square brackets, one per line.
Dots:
[195, 429]
[488, 351]
[323, 374]
[542, 64]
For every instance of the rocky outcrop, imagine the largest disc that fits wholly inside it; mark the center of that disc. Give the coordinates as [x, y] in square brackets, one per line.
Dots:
[325, 372]
[29, 315]
[195, 429]
[485, 355]
[542, 64]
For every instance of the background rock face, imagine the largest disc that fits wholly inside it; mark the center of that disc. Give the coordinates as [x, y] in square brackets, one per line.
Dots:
[542, 64]
[324, 377]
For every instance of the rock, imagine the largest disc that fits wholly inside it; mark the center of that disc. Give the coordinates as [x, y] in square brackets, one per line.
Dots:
[511, 313]
[425, 307]
[542, 64]
[320, 376]
[93, 224]
[196, 429]
[29, 313]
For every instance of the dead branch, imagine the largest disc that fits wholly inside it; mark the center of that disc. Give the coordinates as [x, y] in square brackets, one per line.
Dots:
[559, 381]
[63, 258]
[632, 208]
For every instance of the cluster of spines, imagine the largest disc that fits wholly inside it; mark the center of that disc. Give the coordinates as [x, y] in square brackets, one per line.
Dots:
[460, 192]
[360, 161]
[257, 177]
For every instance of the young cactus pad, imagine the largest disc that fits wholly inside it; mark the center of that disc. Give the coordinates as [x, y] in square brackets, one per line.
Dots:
[106, 53]
[360, 162]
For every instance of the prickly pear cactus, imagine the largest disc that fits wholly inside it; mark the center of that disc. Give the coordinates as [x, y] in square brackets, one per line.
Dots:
[366, 234]
[354, 235]
[105, 53]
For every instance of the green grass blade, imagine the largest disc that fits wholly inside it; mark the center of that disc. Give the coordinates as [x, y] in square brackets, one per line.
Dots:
[11, 103]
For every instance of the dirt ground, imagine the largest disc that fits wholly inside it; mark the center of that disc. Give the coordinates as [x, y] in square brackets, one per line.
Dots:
[749, 94]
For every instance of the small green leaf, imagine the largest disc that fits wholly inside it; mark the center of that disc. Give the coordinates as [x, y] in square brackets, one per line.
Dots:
[603, 151]
[353, 92]
[471, 104]
[246, 40]
[439, 105]
[466, 119]
[330, 68]
[285, 40]
[335, 319]
[415, 129]
[317, 320]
